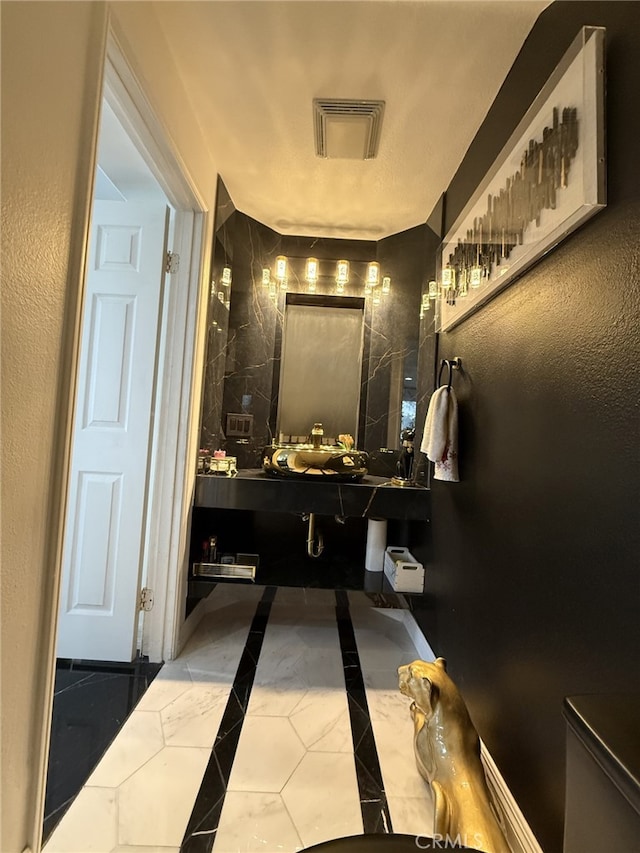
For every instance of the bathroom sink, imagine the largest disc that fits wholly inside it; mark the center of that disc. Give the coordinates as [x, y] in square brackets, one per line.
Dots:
[304, 461]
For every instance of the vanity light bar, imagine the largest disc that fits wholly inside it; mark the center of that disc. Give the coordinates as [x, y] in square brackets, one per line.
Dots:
[372, 278]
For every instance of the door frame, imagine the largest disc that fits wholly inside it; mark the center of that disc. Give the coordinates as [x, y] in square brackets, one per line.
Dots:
[175, 415]
[185, 340]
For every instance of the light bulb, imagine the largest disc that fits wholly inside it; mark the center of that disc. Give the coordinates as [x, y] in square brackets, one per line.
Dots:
[342, 272]
[281, 268]
[312, 270]
[373, 273]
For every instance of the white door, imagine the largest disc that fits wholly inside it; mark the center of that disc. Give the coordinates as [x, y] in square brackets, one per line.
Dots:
[112, 429]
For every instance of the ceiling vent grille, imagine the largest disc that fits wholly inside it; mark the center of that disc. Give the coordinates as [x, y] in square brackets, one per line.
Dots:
[347, 129]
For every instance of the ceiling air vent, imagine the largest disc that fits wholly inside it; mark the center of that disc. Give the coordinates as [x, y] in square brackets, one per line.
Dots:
[347, 129]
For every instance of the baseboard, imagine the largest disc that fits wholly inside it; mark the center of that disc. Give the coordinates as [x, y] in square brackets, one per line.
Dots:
[515, 827]
[417, 637]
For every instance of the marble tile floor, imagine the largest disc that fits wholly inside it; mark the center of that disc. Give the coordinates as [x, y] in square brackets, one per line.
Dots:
[280, 725]
[91, 702]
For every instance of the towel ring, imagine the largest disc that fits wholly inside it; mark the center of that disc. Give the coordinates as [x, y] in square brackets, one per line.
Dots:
[452, 364]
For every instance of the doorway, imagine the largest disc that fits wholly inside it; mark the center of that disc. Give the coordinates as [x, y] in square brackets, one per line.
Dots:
[141, 198]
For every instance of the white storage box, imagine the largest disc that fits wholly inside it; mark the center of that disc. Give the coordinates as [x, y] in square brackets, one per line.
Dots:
[402, 570]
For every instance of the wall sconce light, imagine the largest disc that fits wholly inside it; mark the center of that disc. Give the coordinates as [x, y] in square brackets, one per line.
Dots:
[376, 297]
[226, 276]
[342, 274]
[448, 278]
[273, 291]
[311, 271]
[386, 284]
[266, 277]
[433, 290]
[475, 276]
[281, 268]
[373, 274]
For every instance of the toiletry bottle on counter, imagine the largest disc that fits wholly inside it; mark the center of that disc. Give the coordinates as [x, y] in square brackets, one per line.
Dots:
[210, 549]
[316, 435]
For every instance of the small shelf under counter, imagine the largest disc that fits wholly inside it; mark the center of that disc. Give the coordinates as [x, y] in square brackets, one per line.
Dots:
[371, 497]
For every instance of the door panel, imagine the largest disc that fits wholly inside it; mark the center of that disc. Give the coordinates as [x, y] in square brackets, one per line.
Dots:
[111, 443]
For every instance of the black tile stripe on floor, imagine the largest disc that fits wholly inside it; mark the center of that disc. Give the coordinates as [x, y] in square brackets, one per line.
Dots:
[373, 800]
[205, 816]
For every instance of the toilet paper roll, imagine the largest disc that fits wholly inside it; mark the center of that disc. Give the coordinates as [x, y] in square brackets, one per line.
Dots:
[376, 544]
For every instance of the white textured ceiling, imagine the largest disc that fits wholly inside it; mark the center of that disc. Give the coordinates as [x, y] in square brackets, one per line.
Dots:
[251, 71]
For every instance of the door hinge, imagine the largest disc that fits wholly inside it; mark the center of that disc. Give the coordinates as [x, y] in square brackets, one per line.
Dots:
[172, 263]
[146, 599]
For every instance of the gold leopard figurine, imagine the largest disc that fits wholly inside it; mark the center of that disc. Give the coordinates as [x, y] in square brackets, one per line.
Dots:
[447, 750]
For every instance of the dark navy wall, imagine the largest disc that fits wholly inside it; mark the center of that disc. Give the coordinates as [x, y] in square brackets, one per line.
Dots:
[534, 588]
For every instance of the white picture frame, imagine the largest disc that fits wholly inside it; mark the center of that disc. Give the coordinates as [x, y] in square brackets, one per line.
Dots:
[548, 179]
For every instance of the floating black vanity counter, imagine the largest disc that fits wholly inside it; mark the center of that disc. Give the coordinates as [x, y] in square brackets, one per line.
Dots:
[372, 497]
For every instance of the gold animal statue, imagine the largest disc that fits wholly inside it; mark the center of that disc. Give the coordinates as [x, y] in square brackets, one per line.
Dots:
[447, 750]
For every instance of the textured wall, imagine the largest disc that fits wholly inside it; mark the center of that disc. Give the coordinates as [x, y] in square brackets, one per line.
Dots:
[534, 591]
[50, 60]
[52, 57]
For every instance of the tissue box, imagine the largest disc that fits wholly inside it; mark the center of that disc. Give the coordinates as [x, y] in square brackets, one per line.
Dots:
[402, 571]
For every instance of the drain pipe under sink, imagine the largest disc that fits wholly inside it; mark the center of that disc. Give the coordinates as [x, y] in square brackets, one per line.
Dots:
[313, 550]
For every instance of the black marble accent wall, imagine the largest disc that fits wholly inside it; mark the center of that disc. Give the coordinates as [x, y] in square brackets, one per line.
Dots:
[253, 325]
[406, 339]
[245, 330]
[217, 320]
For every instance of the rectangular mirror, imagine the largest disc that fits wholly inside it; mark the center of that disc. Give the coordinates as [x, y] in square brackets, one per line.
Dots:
[321, 365]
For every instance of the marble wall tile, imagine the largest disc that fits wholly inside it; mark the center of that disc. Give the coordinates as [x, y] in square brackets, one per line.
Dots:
[254, 331]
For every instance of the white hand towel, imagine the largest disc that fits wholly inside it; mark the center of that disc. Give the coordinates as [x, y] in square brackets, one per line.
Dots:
[440, 437]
